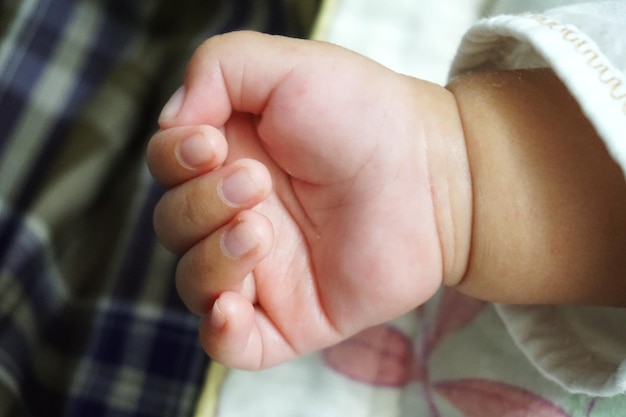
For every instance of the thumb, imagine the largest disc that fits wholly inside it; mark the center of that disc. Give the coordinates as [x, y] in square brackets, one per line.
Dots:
[232, 72]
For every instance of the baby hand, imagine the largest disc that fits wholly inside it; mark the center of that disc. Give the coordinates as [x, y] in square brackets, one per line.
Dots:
[301, 194]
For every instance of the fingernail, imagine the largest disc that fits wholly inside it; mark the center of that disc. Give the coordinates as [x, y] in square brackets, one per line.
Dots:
[194, 151]
[239, 241]
[173, 106]
[238, 189]
[218, 318]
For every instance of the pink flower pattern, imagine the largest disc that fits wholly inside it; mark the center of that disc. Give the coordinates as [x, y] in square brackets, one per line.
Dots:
[384, 356]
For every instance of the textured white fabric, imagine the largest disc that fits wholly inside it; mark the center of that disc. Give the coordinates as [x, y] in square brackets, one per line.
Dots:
[418, 39]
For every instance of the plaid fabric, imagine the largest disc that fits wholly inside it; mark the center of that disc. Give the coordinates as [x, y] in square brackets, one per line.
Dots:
[90, 322]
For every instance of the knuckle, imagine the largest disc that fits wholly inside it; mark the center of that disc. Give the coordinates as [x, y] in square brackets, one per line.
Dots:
[194, 208]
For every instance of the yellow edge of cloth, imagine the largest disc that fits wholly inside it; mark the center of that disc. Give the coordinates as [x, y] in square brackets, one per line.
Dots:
[207, 403]
[323, 20]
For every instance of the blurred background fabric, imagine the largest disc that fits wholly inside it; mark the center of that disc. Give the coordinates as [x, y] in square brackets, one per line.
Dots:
[90, 321]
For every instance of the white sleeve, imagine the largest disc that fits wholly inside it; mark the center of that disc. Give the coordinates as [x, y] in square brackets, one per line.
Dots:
[581, 348]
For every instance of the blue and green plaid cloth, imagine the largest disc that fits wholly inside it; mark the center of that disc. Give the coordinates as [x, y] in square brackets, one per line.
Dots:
[90, 322]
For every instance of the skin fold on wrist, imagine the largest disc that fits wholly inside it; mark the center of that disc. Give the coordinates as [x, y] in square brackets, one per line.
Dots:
[449, 177]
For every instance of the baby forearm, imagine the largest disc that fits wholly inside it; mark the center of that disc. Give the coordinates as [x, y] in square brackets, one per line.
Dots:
[549, 220]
